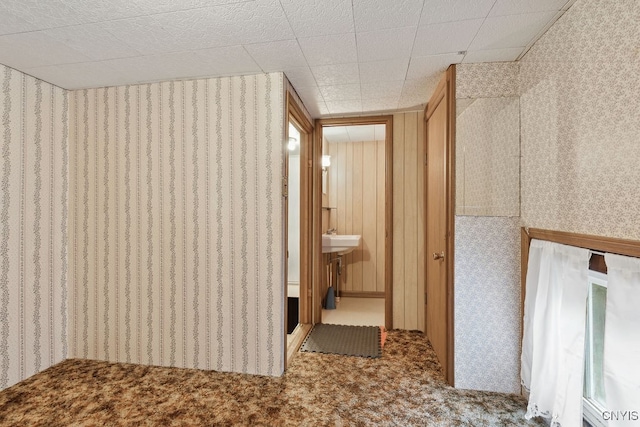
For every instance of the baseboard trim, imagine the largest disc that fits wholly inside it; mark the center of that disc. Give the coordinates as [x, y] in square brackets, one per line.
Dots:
[359, 294]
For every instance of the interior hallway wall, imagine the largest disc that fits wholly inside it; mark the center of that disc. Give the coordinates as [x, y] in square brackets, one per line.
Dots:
[176, 218]
[33, 226]
[487, 268]
[356, 188]
[579, 87]
[408, 220]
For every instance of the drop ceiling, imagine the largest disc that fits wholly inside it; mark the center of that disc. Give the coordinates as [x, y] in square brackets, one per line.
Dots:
[342, 56]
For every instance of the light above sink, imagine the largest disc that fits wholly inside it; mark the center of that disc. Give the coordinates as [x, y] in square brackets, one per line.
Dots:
[340, 243]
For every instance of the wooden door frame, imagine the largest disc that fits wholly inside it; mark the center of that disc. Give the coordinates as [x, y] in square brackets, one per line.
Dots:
[295, 114]
[446, 87]
[386, 120]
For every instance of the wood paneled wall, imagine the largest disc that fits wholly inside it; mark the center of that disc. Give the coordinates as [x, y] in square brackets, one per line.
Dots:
[356, 188]
[408, 220]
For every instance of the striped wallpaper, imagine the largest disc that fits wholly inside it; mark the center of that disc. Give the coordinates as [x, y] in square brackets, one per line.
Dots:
[33, 226]
[176, 241]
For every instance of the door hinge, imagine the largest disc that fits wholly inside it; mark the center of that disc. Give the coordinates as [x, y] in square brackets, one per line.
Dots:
[285, 187]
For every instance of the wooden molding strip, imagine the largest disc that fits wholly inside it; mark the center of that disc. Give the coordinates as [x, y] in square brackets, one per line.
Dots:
[361, 294]
[597, 243]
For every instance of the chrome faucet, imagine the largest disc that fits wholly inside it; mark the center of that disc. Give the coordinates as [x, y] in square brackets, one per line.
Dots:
[331, 231]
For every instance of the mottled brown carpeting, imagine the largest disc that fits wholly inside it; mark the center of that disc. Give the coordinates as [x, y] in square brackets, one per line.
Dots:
[404, 387]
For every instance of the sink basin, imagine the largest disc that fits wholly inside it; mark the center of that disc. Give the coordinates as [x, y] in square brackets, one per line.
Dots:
[340, 243]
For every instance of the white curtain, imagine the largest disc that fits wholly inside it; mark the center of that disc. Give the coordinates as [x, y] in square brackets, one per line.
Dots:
[554, 332]
[622, 339]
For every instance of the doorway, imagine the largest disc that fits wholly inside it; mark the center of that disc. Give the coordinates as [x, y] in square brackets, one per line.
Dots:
[355, 199]
[298, 183]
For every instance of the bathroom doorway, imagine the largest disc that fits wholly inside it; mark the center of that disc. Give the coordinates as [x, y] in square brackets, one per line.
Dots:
[356, 221]
[298, 177]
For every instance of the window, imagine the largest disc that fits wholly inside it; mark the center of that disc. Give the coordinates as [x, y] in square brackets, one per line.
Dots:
[594, 394]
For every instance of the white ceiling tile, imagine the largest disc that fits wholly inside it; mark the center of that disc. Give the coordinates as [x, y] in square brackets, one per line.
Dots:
[329, 75]
[418, 91]
[340, 92]
[377, 90]
[436, 11]
[41, 14]
[510, 31]
[300, 77]
[380, 71]
[447, 37]
[493, 55]
[78, 76]
[516, 7]
[335, 134]
[276, 56]
[145, 34]
[161, 67]
[310, 96]
[227, 61]
[30, 50]
[319, 17]
[379, 15]
[93, 41]
[344, 107]
[362, 133]
[149, 7]
[227, 25]
[385, 44]
[88, 11]
[9, 23]
[333, 49]
[379, 104]
[426, 66]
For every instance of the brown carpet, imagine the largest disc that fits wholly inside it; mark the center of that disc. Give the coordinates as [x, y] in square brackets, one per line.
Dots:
[404, 387]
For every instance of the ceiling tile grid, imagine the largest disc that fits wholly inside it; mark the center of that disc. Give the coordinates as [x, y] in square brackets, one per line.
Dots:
[342, 56]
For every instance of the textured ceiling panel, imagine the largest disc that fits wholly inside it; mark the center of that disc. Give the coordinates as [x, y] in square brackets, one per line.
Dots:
[379, 15]
[278, 55]
[319, 17]
[493, 55]
[447, 37]
[385, 44]
[436, 11]
[516, 7]
[344, 56]
[334, 49]
[510, 31]
[425, 66]
[340, 92]
[327, 75]
[382, 71]
[93, 41]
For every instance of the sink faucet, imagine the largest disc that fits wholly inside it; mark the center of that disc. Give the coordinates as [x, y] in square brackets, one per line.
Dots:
[331, 231]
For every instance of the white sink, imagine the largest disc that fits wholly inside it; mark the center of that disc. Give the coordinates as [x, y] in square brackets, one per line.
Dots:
[340, 243]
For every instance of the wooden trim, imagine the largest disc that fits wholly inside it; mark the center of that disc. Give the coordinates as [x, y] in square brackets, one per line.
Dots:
[361, 294]
[295, 115]
[388, 263]
[451, 197]
[316, 238]
[297, 338]
[597, 243]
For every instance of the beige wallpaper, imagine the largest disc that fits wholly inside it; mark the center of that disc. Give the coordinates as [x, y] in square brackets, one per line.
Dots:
[356, 188]
[486, 266]
[33, 226]
[408, 220]
[488, 158]
[580, 130]
[176, 220]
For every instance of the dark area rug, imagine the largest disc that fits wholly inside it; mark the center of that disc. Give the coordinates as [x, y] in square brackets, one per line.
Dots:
[361, 341]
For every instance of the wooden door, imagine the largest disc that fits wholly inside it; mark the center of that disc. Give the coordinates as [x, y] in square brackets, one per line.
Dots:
[439, 223]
